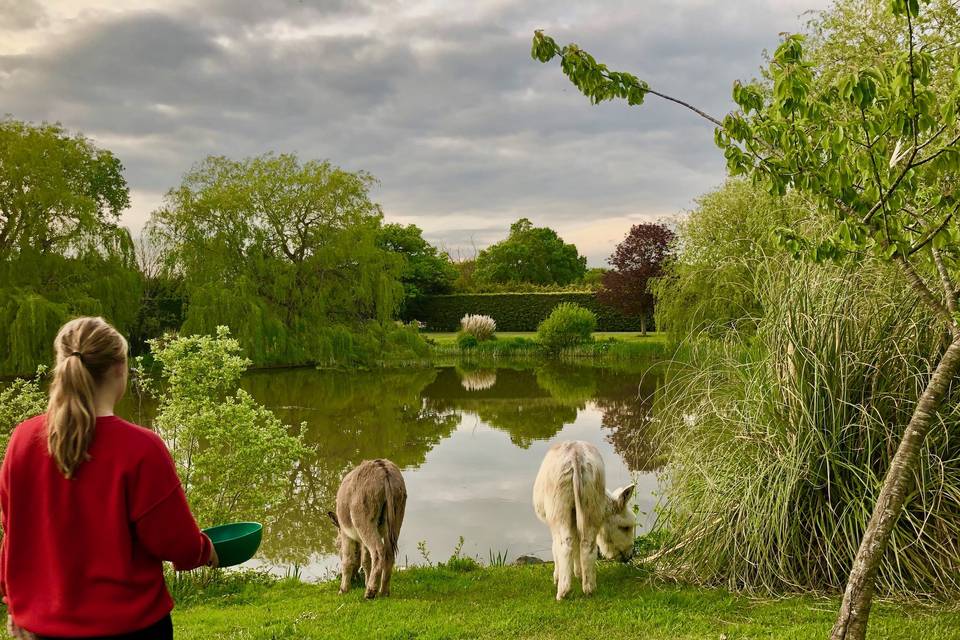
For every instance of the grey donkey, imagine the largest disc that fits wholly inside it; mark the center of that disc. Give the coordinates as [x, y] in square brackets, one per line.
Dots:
[369, 513]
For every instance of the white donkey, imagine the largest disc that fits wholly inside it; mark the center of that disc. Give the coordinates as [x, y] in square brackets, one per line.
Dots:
[570, 496]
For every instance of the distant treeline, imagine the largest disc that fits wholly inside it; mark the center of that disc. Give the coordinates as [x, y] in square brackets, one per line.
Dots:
[292, 255]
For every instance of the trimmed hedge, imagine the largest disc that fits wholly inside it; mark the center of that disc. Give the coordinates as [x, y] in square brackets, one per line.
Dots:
[512, 311]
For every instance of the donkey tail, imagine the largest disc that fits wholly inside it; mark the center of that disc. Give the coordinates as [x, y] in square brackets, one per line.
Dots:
[577, 487]
[394, 505]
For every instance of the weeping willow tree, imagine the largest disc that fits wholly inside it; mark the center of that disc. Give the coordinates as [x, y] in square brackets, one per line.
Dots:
[62, 250]
[286, 254]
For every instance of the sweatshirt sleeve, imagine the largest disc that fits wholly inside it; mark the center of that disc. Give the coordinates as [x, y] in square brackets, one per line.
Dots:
[4, 509]
[169, 532]
[3, 569]
[161, 516]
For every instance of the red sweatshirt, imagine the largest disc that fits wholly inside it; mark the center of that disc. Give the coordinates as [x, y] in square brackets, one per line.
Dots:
[83, 557]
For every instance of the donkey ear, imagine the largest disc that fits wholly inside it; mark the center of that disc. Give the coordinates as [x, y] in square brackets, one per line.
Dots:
[622, 496]
[333, 517]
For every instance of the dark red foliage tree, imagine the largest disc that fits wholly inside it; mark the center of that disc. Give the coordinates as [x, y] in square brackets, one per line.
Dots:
[638, 258]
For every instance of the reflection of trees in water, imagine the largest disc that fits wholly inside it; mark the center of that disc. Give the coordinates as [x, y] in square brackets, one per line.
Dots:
[628, 414]
[528, 404]
[570, 385]
[536, 403]
[524, 420]
[517, 404]
[349, 417]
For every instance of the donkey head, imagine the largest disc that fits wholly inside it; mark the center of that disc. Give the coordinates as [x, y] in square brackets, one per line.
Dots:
[619, 525]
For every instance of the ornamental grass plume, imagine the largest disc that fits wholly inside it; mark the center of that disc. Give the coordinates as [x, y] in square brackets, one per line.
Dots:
[479, 326]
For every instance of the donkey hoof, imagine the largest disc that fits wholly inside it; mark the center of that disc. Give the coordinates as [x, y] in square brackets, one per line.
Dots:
[370, 595]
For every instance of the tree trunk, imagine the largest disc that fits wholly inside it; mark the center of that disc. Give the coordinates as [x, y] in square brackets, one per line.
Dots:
[852, 620]
[643, 324]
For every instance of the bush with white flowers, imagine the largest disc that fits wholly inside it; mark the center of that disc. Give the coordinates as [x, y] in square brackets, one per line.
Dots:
[480, 327]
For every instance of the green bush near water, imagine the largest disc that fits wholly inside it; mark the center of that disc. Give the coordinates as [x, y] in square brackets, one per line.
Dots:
[233, 455]
[467, 341]
[567, 325]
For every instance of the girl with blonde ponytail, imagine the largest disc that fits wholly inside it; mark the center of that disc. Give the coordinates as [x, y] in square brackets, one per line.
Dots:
[91, 506]
[86, 349]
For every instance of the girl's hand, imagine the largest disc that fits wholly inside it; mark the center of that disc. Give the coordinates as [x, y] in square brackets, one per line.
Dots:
[17, 632]
[214, 560]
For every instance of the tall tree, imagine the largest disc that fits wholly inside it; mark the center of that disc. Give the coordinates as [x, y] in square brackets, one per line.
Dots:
[282, 251]
[59, 193]
[62, 249]
[875, 148]
[535, 255]
[426, 270]
[637, 259]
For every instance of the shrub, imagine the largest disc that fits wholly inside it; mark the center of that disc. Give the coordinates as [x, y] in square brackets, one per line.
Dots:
[479, 326]
[403, 342]
[233, 455]
[23, 399]
[567, 325]
[467, 341]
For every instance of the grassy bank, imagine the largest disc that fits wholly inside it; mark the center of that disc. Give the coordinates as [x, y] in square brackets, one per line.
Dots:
[605, 347]
[517, 602]
[624, 336]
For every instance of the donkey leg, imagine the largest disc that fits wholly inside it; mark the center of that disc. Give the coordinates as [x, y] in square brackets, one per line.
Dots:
[370, 535]
[575, 561]
[376, 570]
[349, 561]
[564, 561]
[388, 561]
[588, 562]
[556, 556]
[365, 561]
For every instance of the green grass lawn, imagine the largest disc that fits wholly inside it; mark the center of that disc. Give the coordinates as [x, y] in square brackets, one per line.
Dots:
[518, 602]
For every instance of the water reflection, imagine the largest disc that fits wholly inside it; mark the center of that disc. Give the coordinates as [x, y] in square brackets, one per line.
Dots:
[478, 379]
[349, 417]
[469, 439]
[628, 416]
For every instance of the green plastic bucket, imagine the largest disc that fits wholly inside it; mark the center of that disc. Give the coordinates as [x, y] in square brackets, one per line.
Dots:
[236, 542]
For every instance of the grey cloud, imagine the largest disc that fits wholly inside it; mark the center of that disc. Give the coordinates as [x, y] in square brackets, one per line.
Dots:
[448, 110]
[21, 14]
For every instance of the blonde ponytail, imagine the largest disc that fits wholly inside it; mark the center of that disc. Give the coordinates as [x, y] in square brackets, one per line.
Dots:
[85, 350]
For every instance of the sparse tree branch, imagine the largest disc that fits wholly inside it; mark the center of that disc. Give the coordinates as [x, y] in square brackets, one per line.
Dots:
[928, 237]
[949, 291]
[699, 112]
[921, 289]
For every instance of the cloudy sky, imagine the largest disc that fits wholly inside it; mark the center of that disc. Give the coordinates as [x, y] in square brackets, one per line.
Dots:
[437, 98]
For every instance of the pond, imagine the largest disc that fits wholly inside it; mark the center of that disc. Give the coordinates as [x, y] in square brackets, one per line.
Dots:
[469, 441]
